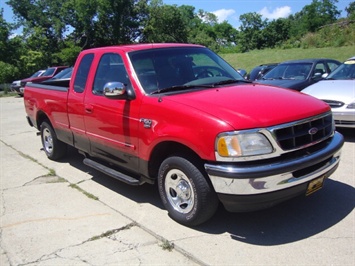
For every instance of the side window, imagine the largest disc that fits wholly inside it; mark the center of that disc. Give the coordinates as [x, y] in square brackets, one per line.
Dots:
[82, 73]
[319, 70]
[110, 69]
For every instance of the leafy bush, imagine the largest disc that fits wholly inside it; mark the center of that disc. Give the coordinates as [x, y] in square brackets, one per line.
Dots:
[7, 72]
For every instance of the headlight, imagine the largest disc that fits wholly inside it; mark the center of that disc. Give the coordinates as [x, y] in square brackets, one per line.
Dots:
[351, 106]
[242, 144]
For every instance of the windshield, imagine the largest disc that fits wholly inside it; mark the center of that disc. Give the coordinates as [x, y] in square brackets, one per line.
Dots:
[159, 69]
[66, 73]
[298, 71]
[344, 71]
[37, 74]
[48, 72]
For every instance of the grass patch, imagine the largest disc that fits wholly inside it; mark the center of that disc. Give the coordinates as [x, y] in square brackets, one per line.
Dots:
[8, 94]
[254, 58]
[89, 195]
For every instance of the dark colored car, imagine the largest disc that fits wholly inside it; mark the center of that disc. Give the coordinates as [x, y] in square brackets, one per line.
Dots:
[298, 74]
[259, 71]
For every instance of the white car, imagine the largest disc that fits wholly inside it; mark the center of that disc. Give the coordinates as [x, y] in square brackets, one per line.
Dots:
[338, 90]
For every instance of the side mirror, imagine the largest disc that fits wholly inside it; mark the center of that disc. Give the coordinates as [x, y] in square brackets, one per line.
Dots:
[317, 76]
[118, 90]
[325, 75]
[114, 90]
[243, 72]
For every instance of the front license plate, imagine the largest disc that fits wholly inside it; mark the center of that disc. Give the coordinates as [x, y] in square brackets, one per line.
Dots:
[315, 185]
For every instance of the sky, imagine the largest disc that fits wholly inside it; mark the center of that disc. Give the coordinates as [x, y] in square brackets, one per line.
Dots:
[230, 10]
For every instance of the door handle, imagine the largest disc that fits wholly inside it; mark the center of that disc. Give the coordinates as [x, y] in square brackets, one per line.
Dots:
[89, 108]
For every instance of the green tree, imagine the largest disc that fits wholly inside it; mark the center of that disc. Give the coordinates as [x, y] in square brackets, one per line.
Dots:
[251, 29]
[165, 24]
[350, 9]
[314, 16]
[118, 22]
[79, 16]
[9, 48]
[276, 32]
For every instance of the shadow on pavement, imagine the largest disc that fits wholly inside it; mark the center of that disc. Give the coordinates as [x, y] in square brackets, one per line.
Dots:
[141, 194]
[348, 133]
[297, 219]
[294, 220]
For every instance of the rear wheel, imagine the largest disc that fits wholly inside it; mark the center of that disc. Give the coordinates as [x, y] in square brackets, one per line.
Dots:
[54, 148]
[185, 192]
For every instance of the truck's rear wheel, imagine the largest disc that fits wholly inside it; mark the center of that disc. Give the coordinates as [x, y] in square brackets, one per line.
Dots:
[185, 192]
[54, 148]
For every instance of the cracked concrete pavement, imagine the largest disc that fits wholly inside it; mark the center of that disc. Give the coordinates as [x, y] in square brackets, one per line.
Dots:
[64, 213]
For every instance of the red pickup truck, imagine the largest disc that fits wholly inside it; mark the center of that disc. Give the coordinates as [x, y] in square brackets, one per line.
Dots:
[178, 115]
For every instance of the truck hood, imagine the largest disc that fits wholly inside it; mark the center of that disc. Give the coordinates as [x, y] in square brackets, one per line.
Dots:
[251, 106]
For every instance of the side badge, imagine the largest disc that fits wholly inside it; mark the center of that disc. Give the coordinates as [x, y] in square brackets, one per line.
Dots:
[147, 123]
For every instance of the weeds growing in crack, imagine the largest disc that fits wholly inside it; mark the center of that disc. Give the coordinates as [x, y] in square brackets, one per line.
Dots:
[166, 245]
[111, 232]
[89, 195]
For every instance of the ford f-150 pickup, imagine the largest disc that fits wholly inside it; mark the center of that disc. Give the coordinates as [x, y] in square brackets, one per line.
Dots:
[179, 116]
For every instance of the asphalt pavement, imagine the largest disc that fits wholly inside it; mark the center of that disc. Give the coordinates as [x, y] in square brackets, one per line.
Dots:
[65, 213]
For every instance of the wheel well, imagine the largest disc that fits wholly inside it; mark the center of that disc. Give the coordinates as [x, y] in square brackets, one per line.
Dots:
[166, 149]
[41, 117]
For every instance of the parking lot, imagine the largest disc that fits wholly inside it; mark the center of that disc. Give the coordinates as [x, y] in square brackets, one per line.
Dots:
[65, 213]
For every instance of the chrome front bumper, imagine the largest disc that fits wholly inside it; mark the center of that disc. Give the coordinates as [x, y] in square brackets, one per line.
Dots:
[269, 178]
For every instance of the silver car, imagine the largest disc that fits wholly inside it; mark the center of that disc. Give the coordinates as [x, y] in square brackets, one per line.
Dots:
[338, 90]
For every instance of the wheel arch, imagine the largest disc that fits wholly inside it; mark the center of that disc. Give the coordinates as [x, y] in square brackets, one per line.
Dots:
[41, 117]
[171, 148]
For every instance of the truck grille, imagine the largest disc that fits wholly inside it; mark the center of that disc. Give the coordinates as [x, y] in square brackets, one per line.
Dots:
[304, 133]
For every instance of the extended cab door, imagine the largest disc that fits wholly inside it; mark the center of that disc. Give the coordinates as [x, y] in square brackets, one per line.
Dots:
[76, 109]
[112, 124]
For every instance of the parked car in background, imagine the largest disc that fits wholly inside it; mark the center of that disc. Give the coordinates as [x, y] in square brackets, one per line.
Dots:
[338, 90]
[259, 71]
[62, 77]
[299, 74]
[16, 85]
[49, 73]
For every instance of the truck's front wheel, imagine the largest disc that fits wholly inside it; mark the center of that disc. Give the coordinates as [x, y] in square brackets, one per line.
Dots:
[185, 192]
[54, 148]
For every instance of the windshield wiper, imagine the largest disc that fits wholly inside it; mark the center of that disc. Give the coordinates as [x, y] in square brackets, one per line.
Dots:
[230, 81]
[180, 87]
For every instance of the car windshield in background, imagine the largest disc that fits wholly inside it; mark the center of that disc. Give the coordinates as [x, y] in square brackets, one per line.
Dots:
[37, 74]
[48, 72]
[66, 73]
[298, 71]
[183, 68]
[344, 71]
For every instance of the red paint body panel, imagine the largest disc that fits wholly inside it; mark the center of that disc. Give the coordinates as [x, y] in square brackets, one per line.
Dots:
[193, 119]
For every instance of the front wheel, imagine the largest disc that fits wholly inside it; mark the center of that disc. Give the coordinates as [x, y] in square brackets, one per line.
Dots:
[185, 192]
[54, 148]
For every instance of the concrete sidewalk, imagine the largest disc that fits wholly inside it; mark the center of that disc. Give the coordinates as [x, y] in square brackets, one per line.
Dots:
[45, 220]
[65, 213]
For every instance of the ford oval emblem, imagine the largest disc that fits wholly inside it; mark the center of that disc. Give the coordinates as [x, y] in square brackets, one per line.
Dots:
[313, 131]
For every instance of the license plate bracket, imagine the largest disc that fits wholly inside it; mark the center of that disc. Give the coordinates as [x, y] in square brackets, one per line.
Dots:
[315, 185]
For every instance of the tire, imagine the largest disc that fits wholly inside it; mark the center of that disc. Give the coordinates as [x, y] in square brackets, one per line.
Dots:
[185, 192]
[54, 148]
